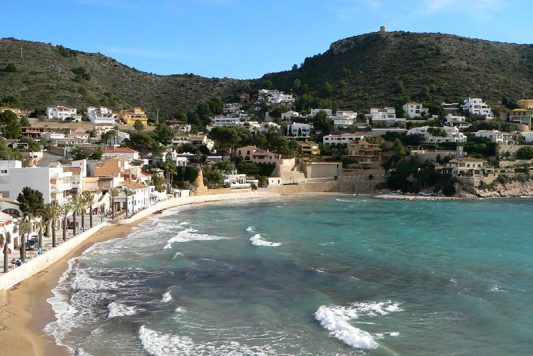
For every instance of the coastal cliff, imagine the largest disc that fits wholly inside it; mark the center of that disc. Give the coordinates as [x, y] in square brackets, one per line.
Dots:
[508, 190]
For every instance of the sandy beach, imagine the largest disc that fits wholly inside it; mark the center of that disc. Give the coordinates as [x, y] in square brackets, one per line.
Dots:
[24, 310]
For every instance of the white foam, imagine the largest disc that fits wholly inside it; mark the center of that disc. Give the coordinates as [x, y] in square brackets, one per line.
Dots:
[257, 240]
[159, 344]
[336, 319]
[250, 229]
[184, 223]
[62, 309]
[118, 309]
[180, 310]
[394, 333]
[189, 235]
[346, 200]
[167, 297]
[176, 255]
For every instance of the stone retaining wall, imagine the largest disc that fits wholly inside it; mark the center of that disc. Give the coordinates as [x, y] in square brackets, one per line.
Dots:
[41, 262]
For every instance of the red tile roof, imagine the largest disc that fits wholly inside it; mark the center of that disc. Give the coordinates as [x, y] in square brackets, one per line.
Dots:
[119, 150]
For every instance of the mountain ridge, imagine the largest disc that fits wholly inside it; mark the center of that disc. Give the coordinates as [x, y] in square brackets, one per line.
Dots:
[378, 68]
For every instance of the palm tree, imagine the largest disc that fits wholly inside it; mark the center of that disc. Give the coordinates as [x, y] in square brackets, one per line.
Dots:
[6, 240]
[24, 230]
[76, 206]
[89, 203]
[113, 193]
[127, 193]
[64, 210]
[41, 225]
[50, 213]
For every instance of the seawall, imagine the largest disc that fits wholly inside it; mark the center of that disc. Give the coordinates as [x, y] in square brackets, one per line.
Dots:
[41, 262]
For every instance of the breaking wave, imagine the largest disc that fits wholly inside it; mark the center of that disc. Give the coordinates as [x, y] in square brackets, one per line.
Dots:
[118, 309]
[257, 240]
[336, 319]
[167, 298]
[159, 344]
[189, 235]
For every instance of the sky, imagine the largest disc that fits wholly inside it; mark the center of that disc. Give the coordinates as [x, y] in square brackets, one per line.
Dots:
[245, 39]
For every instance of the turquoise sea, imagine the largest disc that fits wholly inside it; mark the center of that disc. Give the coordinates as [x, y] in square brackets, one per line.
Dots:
[329, 275]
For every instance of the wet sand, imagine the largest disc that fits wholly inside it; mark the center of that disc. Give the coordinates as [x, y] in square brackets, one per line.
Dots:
[24, 311]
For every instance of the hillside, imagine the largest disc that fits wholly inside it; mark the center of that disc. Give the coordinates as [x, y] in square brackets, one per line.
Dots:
[47, 74]
[372, 69]
[388, 68]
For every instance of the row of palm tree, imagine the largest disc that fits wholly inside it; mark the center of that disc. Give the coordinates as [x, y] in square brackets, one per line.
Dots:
[50, 214]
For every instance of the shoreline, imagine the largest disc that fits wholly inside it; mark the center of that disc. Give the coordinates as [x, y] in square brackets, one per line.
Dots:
[24, 310]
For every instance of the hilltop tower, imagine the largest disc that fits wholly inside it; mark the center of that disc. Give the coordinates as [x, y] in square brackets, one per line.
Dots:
[382, 29]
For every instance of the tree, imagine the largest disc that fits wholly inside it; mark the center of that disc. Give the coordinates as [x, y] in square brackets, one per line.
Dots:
[31, 201]
[170, 169]
[323, 123]
[113, 192]
[398, 148]
[50, 213]
[77, 207]
[10, 68]
[327, 90]
[64, 210]
[297, 85]
[5, 241]
[90, 200]
[138, 126]
[164, 133]
[524, 153]
[24, 231]
[127, 193]
[158, 182]
[10, 125]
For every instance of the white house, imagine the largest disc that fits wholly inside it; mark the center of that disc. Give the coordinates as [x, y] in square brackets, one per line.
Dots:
[100, 115]
[476, 106]
[120, 152]
[415, 110]
[118, 138]
[328, 112]
[138, 196]
[62, 113]
[222, 121]
[53, 182]
[297, 129]
[287, 116]
[450, 134]
[232, 108]
[385, 117]
[272, 97]
[342, 138]
[8, 232]
[181, 159]
[343, 121]
[496, 136]
[236, 181]
[458, 121]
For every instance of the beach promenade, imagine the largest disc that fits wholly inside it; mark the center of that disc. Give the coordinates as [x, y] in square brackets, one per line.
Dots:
[24, 291]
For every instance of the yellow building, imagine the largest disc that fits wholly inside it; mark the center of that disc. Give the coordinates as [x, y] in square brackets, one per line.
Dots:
[130, 116]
